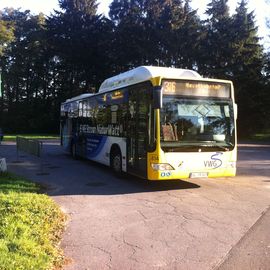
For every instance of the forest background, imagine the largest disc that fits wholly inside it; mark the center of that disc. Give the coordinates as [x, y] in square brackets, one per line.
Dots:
[46, 59]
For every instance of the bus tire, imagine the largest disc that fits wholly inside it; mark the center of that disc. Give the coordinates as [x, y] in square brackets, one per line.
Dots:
[116, 161]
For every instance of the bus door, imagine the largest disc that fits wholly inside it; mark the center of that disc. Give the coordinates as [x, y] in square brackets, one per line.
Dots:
[66, 132]
[137, 132]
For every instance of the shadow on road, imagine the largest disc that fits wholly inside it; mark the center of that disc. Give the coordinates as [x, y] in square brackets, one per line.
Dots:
[100, 180]
[65, 176]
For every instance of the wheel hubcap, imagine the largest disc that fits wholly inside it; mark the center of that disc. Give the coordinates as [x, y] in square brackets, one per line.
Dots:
[117, 164]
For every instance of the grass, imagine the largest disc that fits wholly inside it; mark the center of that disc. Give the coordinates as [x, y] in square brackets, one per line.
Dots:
[30, 226]
[12, 137]
[264, 137]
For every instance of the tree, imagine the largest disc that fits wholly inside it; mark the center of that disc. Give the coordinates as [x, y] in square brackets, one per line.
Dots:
[6, 34]
[266, 95]
[88, 7]
[216, 47]
[266, 92]
[247, 65]
[131, 38]
[44, 61]
[160, 33]
[27, 102]
[248, 52]
[186, 36]
[79, 41]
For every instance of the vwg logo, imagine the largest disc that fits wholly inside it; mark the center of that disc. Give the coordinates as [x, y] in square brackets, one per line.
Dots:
[215, 161]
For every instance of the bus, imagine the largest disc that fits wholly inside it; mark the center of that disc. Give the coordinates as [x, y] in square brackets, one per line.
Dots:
[157, 123]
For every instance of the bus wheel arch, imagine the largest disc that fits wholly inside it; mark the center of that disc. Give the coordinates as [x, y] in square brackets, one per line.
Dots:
[116, 159]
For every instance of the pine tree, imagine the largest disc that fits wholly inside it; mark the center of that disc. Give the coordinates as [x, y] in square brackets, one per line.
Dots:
[163, 33]
[88, 7]
[248, 52]
[132, 36]
[266, 94]
[247, 65]
[216, 47]
[79, 41]
[188, 35]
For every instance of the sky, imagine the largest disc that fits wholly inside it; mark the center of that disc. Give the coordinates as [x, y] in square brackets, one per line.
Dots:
[262, 10]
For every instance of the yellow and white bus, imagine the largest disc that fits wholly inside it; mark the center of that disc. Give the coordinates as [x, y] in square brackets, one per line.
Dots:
[156, 123]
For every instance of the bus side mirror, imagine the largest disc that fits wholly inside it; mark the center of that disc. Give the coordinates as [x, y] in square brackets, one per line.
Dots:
[157, 97]
[235, 111]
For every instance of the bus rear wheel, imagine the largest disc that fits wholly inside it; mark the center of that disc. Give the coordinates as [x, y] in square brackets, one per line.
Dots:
[116, 162]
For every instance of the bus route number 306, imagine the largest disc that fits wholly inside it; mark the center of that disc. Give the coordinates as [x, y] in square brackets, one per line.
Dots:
[169, 87]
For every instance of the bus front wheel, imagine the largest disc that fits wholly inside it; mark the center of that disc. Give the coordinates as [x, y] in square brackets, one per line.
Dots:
[116, 162]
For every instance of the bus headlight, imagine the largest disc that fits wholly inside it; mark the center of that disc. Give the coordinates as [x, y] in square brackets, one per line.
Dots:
[161, 167]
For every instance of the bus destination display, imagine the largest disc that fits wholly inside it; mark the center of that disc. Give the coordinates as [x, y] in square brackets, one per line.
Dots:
[196, 88]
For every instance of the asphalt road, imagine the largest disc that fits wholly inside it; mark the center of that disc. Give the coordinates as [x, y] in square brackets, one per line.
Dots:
[129, 223]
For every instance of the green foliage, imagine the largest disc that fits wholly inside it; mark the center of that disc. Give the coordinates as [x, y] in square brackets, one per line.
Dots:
[27, 91]
[84, 6]
[30, 226]
[265, 95]
[6, 34]
[247, 66]
[8, 137]
[11, 183]
[263, 137]
[159, 33]
[216, 44]
[47, 60]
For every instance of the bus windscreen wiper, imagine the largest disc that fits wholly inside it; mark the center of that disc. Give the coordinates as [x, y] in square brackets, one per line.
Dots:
[221, 147]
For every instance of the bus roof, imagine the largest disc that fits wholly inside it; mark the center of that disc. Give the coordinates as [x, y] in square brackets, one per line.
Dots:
[79, 97]
[144, 73]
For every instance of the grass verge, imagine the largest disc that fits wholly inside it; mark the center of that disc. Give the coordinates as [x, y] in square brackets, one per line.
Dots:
[263, 137]
[10, 137]
[31, 225]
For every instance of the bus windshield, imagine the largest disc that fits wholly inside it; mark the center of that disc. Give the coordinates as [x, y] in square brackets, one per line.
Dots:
[203, 124]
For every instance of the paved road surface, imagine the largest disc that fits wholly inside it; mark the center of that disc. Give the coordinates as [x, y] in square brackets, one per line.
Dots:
[129, 223]
[253, 250]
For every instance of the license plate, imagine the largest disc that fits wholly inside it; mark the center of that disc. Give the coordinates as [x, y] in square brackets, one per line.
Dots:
[198, 175]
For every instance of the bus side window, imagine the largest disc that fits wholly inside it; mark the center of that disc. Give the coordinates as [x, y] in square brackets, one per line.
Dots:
[80, 109]
[122, 116]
